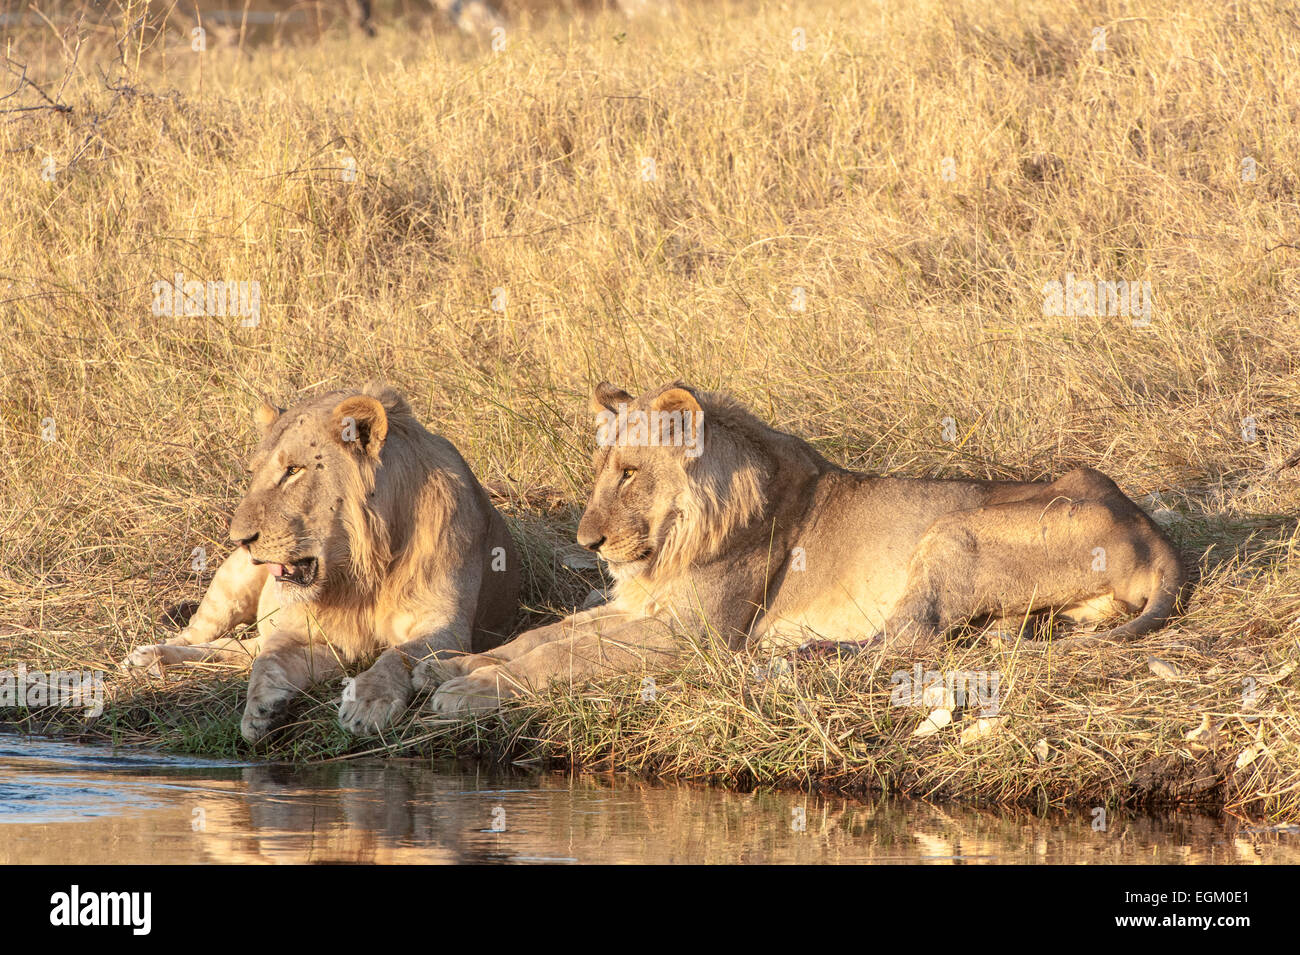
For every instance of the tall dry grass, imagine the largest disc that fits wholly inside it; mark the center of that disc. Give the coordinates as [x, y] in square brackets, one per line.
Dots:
[821, 169]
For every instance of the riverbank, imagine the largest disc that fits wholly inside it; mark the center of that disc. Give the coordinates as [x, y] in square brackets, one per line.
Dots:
[1202, 714]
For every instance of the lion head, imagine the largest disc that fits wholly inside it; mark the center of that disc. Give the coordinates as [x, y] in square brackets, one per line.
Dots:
[314, 510]
[665, 496]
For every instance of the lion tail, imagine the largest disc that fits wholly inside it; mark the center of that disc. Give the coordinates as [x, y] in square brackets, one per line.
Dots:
[1166, 598]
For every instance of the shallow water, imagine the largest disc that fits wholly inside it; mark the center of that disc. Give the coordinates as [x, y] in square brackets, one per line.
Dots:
[68, 803]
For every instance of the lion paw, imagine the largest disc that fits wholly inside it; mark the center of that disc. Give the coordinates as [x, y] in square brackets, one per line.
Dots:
[1079, 642]
[374, 700]
[831, 649]
[154, 658]
[433, 671]
[446, 665]
[151, 659]
[261, 715]
[479, 692]
[269, 693]
[260, 719]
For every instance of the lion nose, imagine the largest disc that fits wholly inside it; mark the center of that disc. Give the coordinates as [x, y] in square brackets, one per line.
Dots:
[242, 541]
[590, 542]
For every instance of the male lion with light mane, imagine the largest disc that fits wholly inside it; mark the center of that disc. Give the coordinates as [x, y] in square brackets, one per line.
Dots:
[748, 532]
[361, 531]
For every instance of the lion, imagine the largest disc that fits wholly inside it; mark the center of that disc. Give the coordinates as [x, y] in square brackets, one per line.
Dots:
[712, 522]
[361, 532]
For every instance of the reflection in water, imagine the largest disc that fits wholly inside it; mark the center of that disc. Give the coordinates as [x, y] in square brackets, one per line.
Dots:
[61, 802]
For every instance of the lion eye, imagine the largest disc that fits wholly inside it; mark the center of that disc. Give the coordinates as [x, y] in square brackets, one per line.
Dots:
[291, 471]
[627, 475]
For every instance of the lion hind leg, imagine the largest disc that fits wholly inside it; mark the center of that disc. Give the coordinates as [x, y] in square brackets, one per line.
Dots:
[231, 600]
[1092, 557]
[1094, 610]
[228, 650]
[998, 563]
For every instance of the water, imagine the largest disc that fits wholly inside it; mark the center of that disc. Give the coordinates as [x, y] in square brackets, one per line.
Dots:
[69, 803]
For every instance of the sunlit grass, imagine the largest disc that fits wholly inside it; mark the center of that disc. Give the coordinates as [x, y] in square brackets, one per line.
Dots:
[775, 169]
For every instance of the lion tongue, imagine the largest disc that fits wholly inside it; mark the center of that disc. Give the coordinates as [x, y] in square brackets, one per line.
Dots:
[277, 570]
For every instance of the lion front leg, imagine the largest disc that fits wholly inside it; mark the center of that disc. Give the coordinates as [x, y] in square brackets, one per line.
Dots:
[230, 601]
[287, 665]
[626, 649]
[445, 665]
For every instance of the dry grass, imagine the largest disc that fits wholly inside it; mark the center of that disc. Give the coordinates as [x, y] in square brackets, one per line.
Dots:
[820, 169]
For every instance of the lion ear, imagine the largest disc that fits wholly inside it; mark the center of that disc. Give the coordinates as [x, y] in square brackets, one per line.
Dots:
[676, 398]
[607, 397]
[266, 415]
[685, 431]
[360, 424]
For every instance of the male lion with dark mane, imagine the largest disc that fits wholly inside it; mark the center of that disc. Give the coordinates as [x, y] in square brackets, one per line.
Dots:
[711, 521]
[361, 531]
